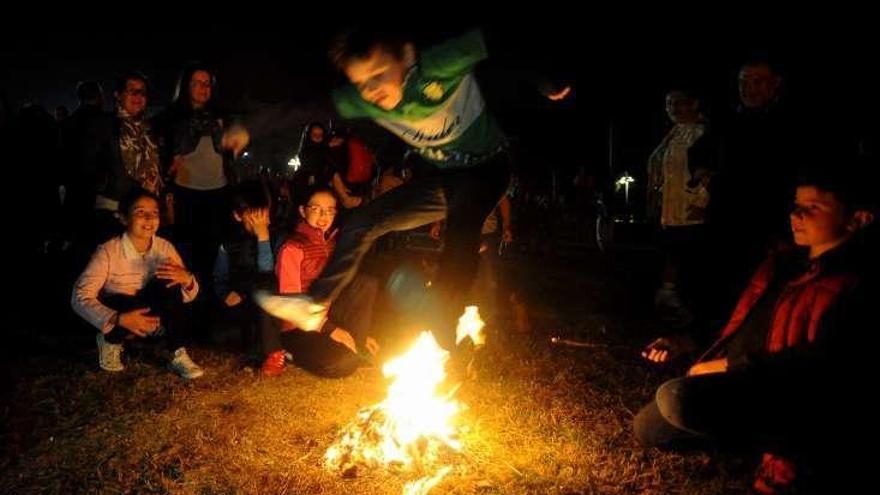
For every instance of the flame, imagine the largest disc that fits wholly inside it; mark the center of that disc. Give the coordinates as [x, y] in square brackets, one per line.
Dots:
[415, 423]
[470, 325]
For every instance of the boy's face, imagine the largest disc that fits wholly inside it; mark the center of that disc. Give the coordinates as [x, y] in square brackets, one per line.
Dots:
[379, 77]
[143, 219]
[320, 211]
[819, 219]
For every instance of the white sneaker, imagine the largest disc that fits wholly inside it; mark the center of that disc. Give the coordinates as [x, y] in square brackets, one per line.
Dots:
[109, 355]
[184, 366]
[297, 309]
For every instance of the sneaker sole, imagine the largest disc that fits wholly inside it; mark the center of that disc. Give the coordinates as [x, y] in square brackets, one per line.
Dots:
[288, 308]
[177, 372]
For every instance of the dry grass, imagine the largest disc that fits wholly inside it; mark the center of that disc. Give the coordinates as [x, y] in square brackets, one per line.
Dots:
[541, 420]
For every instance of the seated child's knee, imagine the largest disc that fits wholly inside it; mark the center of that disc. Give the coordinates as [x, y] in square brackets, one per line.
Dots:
[670, 402]
[339, 369]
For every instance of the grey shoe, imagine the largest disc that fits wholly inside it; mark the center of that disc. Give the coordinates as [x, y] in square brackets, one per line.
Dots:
[184, 366]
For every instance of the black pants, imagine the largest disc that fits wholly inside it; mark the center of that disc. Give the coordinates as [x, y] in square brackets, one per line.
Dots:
[316, 352]
[782, 411]
[817, 419]
[175, 316]
[486, 292]
[463, 197]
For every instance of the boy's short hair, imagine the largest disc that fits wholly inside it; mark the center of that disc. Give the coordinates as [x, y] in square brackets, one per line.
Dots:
[249, 195]
[853, 182]
[355, 44]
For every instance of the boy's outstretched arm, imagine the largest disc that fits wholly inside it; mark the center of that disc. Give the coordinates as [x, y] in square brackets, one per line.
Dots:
[534, 73]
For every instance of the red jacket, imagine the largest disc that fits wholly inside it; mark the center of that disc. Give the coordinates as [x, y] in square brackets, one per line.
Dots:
[302, 258]
[802, 313]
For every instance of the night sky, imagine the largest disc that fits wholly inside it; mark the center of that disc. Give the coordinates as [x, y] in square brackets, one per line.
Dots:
[620, 67]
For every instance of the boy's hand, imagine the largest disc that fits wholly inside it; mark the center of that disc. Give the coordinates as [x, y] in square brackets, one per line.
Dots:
[257, 221]
[708, 367]
[139, 322]
[232, 299]
[662, 350]
[559, 95]
[175, 275]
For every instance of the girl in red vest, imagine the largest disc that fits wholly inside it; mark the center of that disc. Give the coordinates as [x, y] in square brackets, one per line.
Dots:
[332, 351]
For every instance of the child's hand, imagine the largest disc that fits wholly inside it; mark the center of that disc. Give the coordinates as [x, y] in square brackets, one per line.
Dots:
[138, 322]
[175, 275]
[372, 346]
[257, 221]
[662, 350]
[232, 299]
[344, 338]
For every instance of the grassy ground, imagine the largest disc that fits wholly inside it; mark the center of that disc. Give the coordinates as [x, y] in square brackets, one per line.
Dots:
[542, 419]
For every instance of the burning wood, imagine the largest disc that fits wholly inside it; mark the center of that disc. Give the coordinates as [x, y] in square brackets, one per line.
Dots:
[413, 426]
